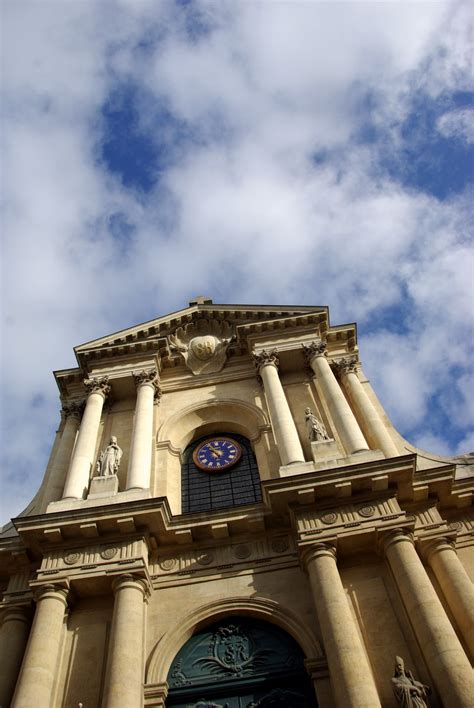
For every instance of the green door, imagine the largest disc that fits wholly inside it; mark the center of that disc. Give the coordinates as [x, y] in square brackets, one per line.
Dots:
[240, 663]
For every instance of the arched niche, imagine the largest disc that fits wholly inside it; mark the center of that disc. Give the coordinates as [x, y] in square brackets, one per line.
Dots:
[207, 417]
[164, 652]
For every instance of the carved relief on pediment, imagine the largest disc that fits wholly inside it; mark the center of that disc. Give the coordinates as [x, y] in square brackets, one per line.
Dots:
[203, 345]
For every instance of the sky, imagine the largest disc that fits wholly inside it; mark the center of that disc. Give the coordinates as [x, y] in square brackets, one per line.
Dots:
[313, 153]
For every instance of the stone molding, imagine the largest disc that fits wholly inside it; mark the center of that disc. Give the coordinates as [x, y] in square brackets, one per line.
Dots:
[98, 385]
[106, 559]
[156, 694]
[206, 560]
[365, 515]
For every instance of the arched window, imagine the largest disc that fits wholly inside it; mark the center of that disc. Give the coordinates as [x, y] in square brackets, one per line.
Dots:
[240, 662]
[208, 489]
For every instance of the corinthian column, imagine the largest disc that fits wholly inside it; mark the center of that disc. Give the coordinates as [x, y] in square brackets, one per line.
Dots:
[341, 413]
[446, 660]
[284, 428]
[13, 637]
[125, 665]
[372, 424]
[40, 664]
[349, 669]
[78, 474]
[455, 584]
[139, 468]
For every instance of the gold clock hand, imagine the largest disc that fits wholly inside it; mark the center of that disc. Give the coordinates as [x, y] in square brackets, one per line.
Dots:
[215, 450]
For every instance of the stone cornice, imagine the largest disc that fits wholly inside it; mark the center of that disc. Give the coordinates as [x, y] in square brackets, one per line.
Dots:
[355, 484]
[163, 326]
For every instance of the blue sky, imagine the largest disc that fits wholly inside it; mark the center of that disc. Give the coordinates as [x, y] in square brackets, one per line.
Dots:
[266, 152]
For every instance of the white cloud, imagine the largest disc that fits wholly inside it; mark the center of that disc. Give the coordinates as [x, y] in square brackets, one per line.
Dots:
[457, 124]
[260, 92]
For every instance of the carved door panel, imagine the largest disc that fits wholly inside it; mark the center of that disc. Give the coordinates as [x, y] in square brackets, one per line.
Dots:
[240, 663]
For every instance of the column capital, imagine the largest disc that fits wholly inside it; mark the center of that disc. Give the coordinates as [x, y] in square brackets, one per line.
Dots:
[148, 377]
[316, 550]
[314, 349]
[344, 366]
[97, 385]
[429, 546]
[264, 358]
[392, 536]
[55, 591]
[74, 409]
[16, 612]
[128, 580]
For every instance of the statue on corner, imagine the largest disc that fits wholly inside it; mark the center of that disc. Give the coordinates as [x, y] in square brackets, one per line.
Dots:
[408, 692]
[316, 429]
[109, 459]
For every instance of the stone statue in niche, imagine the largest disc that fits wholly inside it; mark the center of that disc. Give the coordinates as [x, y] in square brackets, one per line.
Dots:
[109, 459]
[316, 429]
[408, 692]
[203, 345]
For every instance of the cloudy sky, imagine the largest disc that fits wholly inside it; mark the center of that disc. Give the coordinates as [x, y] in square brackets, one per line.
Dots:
[255, 152]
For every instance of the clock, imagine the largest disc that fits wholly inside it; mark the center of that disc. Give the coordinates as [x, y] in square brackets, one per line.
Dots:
[217, 454]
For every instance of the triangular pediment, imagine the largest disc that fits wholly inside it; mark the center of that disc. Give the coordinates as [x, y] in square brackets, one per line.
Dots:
[236, 315]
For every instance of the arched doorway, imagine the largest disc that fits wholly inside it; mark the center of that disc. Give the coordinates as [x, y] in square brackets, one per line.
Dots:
[240, 662]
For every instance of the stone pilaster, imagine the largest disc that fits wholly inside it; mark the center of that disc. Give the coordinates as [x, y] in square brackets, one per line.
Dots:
[443, 653]
[148, 391]
[72, 414]
[455, 584]
[40, 664]
[351, 676]
[341, 413]
[125, 666]
[78, 475]
[367, 415]
[14, 632]
[284, 428]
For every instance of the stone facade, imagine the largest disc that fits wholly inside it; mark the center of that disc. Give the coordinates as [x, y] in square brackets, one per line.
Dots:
[357, 545]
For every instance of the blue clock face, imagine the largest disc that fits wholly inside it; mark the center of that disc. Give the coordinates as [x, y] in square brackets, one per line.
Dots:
[217, 454]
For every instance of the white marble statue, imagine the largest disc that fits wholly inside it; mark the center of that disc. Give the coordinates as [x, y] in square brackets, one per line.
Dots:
[316, 429]
[408, 692]
[109, 459]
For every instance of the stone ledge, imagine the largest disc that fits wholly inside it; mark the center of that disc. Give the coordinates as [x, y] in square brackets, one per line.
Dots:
[119, 498]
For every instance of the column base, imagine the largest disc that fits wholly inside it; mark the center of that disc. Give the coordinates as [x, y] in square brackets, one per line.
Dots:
[296, 468]
[119, 498]
[103, 487]
[327, 455]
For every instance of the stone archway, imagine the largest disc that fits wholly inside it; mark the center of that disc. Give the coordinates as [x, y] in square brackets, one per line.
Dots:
[213, 416]
[244, 418]
[166, 649]
[240, 662]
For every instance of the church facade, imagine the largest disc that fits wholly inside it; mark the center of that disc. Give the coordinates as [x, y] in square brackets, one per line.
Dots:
[228, 518]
